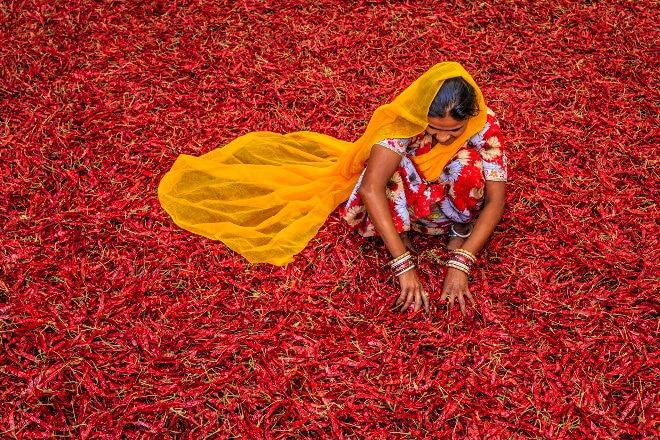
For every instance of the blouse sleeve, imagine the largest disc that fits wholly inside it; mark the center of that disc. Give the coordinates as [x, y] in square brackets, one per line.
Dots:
[490, 145]
[398, 145]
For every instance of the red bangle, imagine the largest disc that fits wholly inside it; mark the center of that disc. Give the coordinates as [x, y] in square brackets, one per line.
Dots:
[463, 259]
[403, 267]
[468, 254]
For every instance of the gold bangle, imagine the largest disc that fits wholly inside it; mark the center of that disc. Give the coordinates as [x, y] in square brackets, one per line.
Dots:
[455, 266]
[402, 262]
[467, 253]
[458, 264]
[400, 257]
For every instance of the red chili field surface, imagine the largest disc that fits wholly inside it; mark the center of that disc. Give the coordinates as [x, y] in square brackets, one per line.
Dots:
[115, 323]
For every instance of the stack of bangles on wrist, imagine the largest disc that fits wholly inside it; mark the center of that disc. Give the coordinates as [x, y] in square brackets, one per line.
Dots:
[462, 260]
[402, 264]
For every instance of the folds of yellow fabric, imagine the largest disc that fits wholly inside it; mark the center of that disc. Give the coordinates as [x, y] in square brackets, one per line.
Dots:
[265, 195]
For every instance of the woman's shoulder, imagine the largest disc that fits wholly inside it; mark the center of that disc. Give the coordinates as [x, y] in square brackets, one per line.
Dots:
[413, 146]
[490, 128]
[491, 118]
[398, 145]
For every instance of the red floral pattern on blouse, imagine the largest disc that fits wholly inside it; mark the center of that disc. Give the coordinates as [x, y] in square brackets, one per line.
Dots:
[431, 207]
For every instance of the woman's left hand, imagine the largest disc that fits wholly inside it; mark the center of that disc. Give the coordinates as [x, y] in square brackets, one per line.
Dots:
[456, 286]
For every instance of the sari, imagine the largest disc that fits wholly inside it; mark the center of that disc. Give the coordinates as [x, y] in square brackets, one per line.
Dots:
[265, 195]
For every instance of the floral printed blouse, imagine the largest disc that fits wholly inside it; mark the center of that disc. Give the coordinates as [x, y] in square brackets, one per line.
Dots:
[488, 142]
[431, 207]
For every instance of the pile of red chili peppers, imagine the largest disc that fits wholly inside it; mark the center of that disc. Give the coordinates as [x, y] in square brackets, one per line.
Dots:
[114, 323]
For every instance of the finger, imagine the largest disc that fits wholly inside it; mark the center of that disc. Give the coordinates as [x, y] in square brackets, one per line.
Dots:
[445, 293]
[471, 298]
[419, 301]
[425, 299]
[400, 299]
[409, 300]
[461, 302]
[452, 297]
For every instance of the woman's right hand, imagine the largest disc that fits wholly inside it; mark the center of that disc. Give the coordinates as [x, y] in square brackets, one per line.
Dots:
[411, 292]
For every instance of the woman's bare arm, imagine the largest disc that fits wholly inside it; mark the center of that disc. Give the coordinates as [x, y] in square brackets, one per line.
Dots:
[381, 166]
[456, 282]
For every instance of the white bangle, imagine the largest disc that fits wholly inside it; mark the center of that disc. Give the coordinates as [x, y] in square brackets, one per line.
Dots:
[404, 270]
[456, 234]
[400, 262]
[458, 265]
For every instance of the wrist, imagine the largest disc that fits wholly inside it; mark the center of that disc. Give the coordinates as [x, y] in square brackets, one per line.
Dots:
[457, 272]
[461, 260]
[402, 264]
[406, 272]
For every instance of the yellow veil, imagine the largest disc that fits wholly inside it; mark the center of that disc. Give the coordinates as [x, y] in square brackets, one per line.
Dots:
[265, 195]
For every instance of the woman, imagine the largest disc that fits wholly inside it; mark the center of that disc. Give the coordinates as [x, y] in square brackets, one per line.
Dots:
[265, 195]
[393, 196]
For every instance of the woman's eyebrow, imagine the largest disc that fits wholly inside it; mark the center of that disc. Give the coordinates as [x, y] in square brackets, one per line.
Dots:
[440, 129]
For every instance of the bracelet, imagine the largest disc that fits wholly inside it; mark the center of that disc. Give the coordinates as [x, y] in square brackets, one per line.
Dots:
[456, 265]
[401, 272]
[399, 258]
[407, 264]
[401, 261]
[463, 259]
[466, 272]
[469, 254]
[456, 234]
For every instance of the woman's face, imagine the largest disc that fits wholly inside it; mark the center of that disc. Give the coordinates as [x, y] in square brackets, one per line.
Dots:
[446, 130]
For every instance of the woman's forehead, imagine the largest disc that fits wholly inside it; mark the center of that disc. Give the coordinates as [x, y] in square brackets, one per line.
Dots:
[446, 123]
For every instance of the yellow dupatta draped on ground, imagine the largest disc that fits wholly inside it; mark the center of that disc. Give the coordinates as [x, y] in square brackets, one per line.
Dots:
[265, 195]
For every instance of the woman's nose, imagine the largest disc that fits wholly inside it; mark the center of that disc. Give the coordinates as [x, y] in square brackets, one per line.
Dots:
[442, 137]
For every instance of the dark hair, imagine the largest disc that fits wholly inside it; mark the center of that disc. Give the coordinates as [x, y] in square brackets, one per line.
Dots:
[456, 98]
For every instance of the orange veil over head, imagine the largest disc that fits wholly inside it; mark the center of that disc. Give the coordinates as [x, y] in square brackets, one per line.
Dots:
[265, 195]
